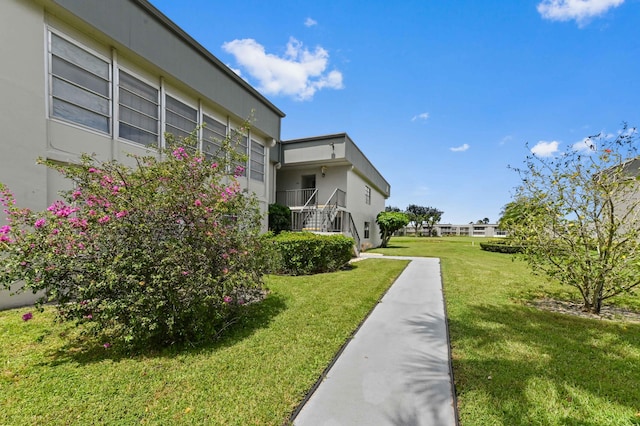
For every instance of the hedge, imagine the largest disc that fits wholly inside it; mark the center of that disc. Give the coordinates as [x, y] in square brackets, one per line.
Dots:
[304, 253]
[501, 246]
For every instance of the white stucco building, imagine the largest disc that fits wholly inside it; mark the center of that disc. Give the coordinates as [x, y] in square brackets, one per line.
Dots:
[110, 77]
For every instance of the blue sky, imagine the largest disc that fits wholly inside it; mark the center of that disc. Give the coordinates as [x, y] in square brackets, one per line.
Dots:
[440, 95]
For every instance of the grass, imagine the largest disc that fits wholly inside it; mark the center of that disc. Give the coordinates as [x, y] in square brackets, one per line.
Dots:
[255, 375]
[517, 365]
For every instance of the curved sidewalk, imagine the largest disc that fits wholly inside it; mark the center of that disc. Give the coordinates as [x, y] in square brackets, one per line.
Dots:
[396, 370]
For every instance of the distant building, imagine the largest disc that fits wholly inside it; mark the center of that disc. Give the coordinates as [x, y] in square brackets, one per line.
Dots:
[469, 230]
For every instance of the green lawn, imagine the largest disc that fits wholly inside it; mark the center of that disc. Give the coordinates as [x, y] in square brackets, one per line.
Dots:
[516, 365]
[256, 374]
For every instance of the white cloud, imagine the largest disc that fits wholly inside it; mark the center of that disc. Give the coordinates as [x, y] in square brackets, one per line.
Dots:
[422, 116]
[579, 10]
[586, 145]
[309, 22]
[545, 149]
[506, 140]
[460, 148]
[300, 73]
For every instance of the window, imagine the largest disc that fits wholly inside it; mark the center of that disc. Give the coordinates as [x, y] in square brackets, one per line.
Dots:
[180, 118]
[80, 85]
[239, 166]
[366, 230]
[213, 133]
[367, 194]
[257, 161]
[138, 110]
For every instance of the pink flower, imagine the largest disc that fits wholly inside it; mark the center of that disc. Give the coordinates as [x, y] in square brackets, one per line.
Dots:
[214, 165]
[5, 229]
[54, 231]
[185, 272]
[227, 299]
[93, 170]
[89, 316]
[121, 213]
[197, 202]
[27, 316]
[39, 223]
[225, 271]
[107, 345]
[104, 219]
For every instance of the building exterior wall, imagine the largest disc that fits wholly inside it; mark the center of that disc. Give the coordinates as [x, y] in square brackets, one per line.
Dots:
[364, 210]
[133, 38]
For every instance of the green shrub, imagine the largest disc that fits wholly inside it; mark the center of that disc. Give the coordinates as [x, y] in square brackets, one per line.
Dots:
[304, 253]
[279, 218]
[158, 254]
[502, 245]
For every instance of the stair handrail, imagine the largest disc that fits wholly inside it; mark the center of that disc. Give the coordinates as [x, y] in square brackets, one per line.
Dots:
[333, 206]
[354, 233]
[308, 209]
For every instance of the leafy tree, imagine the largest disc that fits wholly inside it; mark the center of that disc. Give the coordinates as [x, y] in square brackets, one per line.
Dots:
[390, 222]
[392, 209]
[424, 216]
[279, 218]
[158, 254]
[578, 215]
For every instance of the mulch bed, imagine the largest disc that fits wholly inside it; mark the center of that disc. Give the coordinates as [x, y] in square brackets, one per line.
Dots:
[610, 313]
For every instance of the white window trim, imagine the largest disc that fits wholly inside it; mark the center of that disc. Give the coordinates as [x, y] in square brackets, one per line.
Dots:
[49, 80]
[156, 85]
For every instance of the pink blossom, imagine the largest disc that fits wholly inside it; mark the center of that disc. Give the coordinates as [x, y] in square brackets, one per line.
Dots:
[197, 202]
[76, 194]
[107, 345]
[39, 223]
[225, 271]
[89, 316]
[104, 219]
[93, 170]
[27, 316]
[179, 153]
[214, 165]
[121, 213]
[185, 272]
[5, 229]
[227, 299]
[55, 231]
[92, 212]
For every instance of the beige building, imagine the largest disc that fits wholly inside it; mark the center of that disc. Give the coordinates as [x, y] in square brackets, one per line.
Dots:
[110, 77]
[331, 186]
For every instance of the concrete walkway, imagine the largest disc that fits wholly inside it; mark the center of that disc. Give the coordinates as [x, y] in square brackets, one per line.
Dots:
[396, 370]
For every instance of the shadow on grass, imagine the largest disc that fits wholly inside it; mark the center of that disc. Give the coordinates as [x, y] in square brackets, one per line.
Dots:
[85, 349]
[511, 353]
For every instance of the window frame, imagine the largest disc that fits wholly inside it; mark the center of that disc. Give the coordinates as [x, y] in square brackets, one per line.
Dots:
[255, 174]
[79, 87]
[367, 230]
[218, 138]
[166, 111]
[367, 195]
[158, 103]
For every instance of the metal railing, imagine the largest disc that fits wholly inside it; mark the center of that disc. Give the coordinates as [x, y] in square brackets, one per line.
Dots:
[297, 197]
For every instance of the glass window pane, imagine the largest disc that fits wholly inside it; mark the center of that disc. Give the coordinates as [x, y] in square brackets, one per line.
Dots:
[78, 96]
[75, 55]
[67, 111]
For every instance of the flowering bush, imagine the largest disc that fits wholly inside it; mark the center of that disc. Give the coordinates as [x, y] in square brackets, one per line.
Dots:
[157, 254]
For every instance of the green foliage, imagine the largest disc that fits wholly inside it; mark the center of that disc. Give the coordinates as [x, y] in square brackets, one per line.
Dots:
[503, 245]
[421, 216]
[389, 222]
[579, 215]
[157, 254]
[303, 253]
[279, 218]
